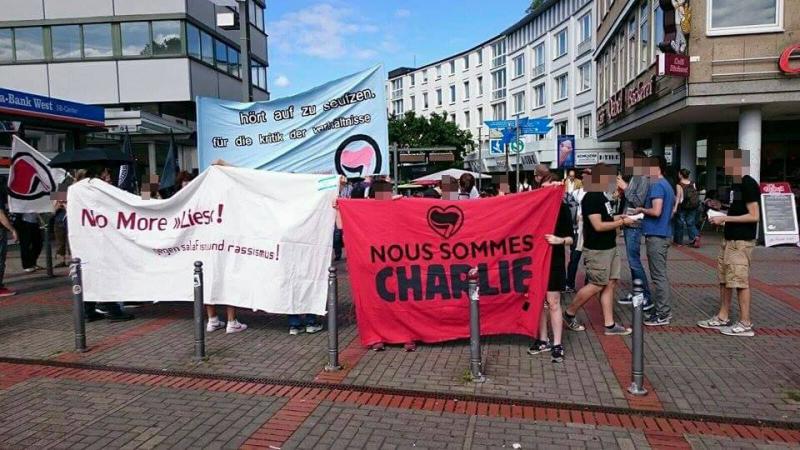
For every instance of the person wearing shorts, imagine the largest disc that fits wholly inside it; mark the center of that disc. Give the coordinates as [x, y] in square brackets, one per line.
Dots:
[733, 263]
[601, 257]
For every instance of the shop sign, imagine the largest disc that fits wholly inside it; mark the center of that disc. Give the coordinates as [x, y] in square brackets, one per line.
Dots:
[673, 65]
[776, 188]
[779, 216]
[585, 158]
[625, 100]
[786, 56]
[31, 105]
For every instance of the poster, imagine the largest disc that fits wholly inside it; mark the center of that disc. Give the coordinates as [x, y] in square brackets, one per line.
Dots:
[408, 267]
[339, 127]
[264, 238]
[566, 151]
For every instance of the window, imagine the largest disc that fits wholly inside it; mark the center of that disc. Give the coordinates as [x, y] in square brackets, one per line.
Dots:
[499, 85]
[6, 45]
[499, 111]
[28, 43]
[256, 15]
[498, 54]
[480, 116]
[480, 57]
[613, 69]
[466, 120]
[585, 23]
[221, 55]
[560, 44]
[644, 36]
[135, 38]
[207, 48]
[538, 60]
[519, 66]
[452, 94]
[466, 62]
[453, 117]
[167, 37]
[658, 19]
[519, 103]
[584, 77]
[193, 41]
[424, 76]
[66, 41]
[585, 126]
[424, 100]
[561, 87]
[466, 90]
[480, 86]
[601, 78]
[397, 107]
[561, 127]
[258, 75]
[452, 67]
[413, 103]
[438, 97]
[413, 80]
[233, 62]
[633, 60]
[538, 95]
[744, 16]
[438, 71]
[397, 88]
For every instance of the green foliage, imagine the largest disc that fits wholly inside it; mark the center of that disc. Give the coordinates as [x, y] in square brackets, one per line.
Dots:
[534, 4]
[415, 131]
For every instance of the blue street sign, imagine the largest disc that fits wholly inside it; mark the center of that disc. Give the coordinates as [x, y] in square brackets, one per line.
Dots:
[496, 146]
[537, 126]
[509, 135]
[501, 124]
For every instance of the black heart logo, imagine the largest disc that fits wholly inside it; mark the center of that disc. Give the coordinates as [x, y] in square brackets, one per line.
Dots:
[445, 221]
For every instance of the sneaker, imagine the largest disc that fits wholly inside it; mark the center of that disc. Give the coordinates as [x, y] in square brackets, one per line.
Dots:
[714, 323]
[234, 326]
[121, 316]
[557, 354]
[617, 330]
[311, 329]
[5, 292]
[214, 326]
[94, 316]
[378, 347]
[696, 242]
[628, 300]
[648, 305]
[30, 269]
[294, 331]
[539, 346]
[410, 347]
[739, 329]
[655, 321]
[572, 323]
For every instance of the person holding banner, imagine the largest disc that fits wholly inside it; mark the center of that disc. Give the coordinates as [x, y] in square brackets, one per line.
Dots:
[600, 254]
[559, 240]
[7, 227]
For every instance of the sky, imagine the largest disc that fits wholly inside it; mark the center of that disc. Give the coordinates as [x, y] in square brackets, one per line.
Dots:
[314, 41]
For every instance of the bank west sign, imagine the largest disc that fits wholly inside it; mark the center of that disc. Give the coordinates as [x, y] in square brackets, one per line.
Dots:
[31, 105]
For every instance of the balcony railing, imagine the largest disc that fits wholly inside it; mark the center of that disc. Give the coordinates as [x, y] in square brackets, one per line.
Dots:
[538, 71]
[498, 61]
[585, 46]
[499, 94]
[397, 93]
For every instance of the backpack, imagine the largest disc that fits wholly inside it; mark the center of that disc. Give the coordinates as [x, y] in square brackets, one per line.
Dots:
[690, 199]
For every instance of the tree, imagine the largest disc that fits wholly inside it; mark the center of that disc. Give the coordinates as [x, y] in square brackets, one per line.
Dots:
[534, 5]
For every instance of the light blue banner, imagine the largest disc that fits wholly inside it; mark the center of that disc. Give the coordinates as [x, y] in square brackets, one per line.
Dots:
[339, 127]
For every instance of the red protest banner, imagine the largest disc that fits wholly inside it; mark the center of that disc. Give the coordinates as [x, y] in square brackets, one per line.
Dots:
[409, 260]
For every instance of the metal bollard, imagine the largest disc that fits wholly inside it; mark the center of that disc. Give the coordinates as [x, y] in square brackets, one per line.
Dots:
[475, 364]
[199, 323]
[78, 314]
[333, 325]
[637, 362]
[48, 248]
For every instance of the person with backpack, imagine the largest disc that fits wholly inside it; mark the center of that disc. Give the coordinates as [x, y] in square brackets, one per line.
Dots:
[686, 216]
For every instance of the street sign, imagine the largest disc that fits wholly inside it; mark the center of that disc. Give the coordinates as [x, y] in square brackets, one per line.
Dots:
[496, 147]
[517, 146]
[501, 124]
[537, 126]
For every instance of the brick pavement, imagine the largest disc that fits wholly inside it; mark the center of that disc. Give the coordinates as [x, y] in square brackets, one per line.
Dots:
[689, 371]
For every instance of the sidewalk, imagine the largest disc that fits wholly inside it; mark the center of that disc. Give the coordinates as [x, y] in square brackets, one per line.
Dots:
[138, 386]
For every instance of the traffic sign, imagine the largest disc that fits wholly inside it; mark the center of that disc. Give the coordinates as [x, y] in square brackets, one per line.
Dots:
[517, 146]
[537, 126]
[496, 147]
[501, 124]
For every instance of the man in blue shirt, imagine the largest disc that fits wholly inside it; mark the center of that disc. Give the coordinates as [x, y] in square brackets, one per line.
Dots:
[657, 229]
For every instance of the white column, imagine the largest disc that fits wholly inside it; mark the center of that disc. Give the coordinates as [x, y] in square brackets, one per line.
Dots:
[151, 157]
[689, 148]
[750, 137]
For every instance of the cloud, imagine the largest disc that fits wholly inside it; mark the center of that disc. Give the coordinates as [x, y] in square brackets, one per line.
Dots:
[402, 13]
[321, 30]
[365, 53]
[282, 81]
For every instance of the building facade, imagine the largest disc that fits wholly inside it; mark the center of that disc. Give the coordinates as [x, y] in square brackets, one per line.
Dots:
[144, 61]
[539, 67]
[691, 78]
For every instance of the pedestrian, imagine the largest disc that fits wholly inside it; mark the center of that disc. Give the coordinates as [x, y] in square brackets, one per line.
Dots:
[30, 240]
[572, 183]
[635, 191]
[600, 254]
[577, 247]
[5, 229]
[560, 239]
[688, 204]
[525, 186]
[657, 229]
[60, 232]
[466, 187]
[733, 263]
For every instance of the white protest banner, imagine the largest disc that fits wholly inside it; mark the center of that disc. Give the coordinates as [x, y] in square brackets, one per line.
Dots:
[264, 238]
[31, 180]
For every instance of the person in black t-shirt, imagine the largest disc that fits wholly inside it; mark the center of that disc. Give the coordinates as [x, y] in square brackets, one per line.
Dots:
[733, 263]
[557, 282]
[600, 254]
